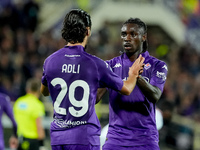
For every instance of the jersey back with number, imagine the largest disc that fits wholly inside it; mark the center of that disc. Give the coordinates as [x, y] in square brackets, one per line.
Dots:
[73, 77]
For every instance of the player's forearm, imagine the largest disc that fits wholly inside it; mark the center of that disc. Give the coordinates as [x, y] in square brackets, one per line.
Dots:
[41, 135]
[151, 92]
[44, 90]
[129, 85]
[14, 130]
[14, 124]
[40, 129]
[100, 93]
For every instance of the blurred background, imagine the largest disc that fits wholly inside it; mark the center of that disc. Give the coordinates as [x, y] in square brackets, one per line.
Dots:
[30, 31]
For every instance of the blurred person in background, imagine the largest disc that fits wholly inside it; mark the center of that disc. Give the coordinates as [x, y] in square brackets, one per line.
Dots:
[132, 123]
[29, 112]
[71, 77]
[5, 106]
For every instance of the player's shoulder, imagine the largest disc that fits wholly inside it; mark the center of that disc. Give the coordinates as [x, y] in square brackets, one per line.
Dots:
[154, 60]
[117, 58]
[116, 61]
[155, 63]
[93, 58]
[55, 54]
[90, 56]
[4, 97]
[159, 62]
[99, 63]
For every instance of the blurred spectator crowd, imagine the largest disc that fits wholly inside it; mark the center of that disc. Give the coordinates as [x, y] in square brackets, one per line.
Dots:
[23, 51]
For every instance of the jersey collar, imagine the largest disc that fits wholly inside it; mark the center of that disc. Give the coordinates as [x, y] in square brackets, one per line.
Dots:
[145, 54]
[76, 48]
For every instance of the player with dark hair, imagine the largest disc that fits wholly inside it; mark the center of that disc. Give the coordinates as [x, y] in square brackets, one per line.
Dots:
[132, 123]
[5, 106]
[71, 77]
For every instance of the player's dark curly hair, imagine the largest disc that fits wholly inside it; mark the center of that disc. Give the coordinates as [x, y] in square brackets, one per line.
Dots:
[141, 24]
[74, 26]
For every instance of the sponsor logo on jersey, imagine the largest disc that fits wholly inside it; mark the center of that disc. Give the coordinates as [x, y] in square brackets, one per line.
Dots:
[68, 123]
[72, 55]
[165, 67]
[117, 65]
[161, 75]
[147, 66]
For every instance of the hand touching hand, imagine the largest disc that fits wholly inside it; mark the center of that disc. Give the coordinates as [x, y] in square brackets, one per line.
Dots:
[137, 67]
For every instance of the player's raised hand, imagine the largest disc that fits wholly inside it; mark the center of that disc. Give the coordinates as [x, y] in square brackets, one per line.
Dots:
[137, 67]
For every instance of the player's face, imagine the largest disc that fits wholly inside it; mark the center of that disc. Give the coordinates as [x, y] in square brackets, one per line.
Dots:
[132, 38]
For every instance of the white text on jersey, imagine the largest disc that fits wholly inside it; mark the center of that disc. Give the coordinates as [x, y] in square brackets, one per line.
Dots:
[70, 68]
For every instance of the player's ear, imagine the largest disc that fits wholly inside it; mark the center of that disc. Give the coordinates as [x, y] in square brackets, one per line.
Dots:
[144, 37]
[88, 31]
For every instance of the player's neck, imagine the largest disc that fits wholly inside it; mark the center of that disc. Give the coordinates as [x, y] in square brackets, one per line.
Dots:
[70, 44]
[132, 56]
[82, 44]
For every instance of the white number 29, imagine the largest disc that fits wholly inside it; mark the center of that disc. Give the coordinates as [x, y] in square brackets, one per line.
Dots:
[83, 103]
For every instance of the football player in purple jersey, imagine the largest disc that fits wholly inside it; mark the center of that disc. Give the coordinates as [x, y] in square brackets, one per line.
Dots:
[6, 107]
[132, 124]
[72, 77]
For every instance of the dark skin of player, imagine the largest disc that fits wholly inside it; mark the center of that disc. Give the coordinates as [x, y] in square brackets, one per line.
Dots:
[132, 41]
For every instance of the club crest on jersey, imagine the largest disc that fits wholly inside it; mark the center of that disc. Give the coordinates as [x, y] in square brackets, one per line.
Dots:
[117, 65]
[147, 66]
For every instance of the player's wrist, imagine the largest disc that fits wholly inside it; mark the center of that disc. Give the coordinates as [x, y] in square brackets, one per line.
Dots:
[133, 75]
[139, 77]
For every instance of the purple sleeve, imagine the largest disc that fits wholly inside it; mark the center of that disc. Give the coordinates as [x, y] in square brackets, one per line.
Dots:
[44, 81]
[159, 75]
[9, 112]
[108, 78]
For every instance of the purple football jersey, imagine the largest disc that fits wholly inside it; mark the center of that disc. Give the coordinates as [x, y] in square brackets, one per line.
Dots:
[132, 118]
[75, 147]
[5, 106]
[73, 77]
